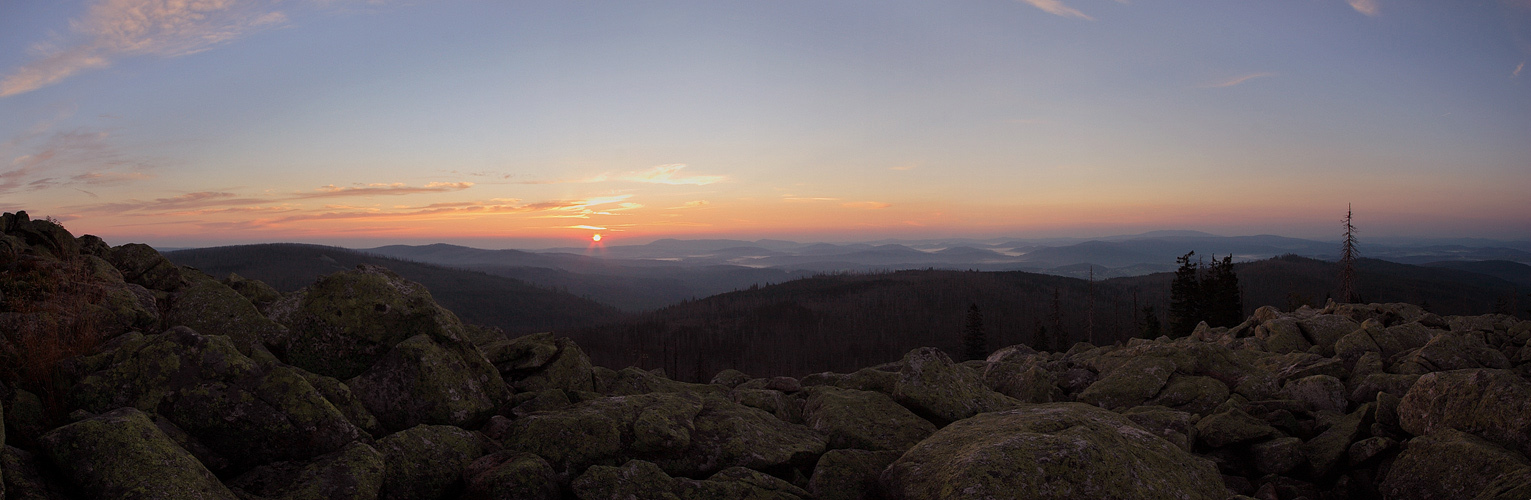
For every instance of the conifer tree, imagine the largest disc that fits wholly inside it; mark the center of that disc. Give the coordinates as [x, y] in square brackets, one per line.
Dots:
[1186, 297]
[975, 344]
[1222, 300]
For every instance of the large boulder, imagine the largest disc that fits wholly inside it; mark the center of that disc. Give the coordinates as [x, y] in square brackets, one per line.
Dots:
[353, 473]
[1459, 350]
[24, 478]
[211, 308]
[511, 475]
[1448, 464]
[140, 264]
[1493, 404]
[344, 322]
[1129, 384]
[1057, 450]
[849, 474]
[1282, 335]
[1192, 393]
[932, 385]
[121, 454]
[1231, 426]
[1325, 329]
[863, 419]
[243, 410]
[427, 461]
[423, 381]
[1328, 449]
[1317, 393]
[541, 361]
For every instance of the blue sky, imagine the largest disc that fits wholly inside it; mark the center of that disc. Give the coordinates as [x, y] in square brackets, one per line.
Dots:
[527, 123]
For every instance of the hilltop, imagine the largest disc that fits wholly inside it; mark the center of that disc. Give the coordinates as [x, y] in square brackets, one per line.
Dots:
[125, 375]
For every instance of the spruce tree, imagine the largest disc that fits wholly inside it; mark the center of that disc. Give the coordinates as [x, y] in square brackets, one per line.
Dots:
[974, 343]
[1186, 304]
[1223, 302]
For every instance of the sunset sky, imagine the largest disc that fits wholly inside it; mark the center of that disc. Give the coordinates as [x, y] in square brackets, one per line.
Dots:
[527, 124]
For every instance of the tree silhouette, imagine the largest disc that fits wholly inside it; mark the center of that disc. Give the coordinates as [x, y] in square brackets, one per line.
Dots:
[1223, 303]
[974, 344]
[1348, 255]
[1150, 326]
[1185, 297]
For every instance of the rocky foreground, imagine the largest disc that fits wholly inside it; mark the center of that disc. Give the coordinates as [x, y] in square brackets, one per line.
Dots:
[131, 377]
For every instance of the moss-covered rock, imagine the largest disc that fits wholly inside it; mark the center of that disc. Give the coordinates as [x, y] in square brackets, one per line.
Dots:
[142, 265]
[1317, 393]
[340, 395]
[631, 381]
[1325, 329]
[863, 419]
[1191, 393]
[211, 308]
[514, 475]
[541, 361]
[686, 434]
[353, 473]
[244, 411]
[421, 381]
[121, 454]
[784, 407]
[257, 292]
[739, 483]
[1459, 350]
[932, 385]
[1329, 449]
[1058, 450]
[1493, 404]
[849, 474]
[1448, 464]
[1177, 427]
[1129, 384]
[730, 378]
[1282, 335]
[1231, 426]
[634, 479]
[1277, 456]
[427, 461]
[1301, 364]
[344, 322]
[1513, 485]
[1363, 451]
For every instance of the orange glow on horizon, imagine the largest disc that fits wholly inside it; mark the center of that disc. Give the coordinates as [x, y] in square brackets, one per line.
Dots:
[596, 238]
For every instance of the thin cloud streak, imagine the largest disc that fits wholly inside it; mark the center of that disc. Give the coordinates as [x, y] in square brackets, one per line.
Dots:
[662, 174]
[1057, 7]
[113, 29]
[397, 188]
[1237, 80]
[1368, 7]
[1516, 73]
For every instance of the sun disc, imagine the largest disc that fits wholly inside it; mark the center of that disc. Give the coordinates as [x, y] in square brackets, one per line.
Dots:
[597, 237]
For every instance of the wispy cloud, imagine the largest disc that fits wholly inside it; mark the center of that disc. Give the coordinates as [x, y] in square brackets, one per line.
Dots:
[112, 29]
[662, 174]
[1237, 80]
[1368, 7]
[397, 188]
[1057, 7]
[39, 160]
[691, 204]
[1516, 73]
[870, 205]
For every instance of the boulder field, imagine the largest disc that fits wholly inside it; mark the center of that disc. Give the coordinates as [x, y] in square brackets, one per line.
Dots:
[127, 376]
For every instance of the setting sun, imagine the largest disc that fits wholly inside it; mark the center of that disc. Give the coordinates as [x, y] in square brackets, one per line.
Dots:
[596, 237]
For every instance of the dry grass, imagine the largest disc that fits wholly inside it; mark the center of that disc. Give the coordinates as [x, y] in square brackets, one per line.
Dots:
[50, 320]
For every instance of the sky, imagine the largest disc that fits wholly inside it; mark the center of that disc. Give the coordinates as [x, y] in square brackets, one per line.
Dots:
[510, 124]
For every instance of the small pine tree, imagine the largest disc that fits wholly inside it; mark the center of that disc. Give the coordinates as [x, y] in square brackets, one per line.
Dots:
[1039, 339]
[974, 343]
[1060, 337]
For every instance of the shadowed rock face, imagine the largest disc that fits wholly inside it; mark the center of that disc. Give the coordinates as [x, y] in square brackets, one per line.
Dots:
[362, 387]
